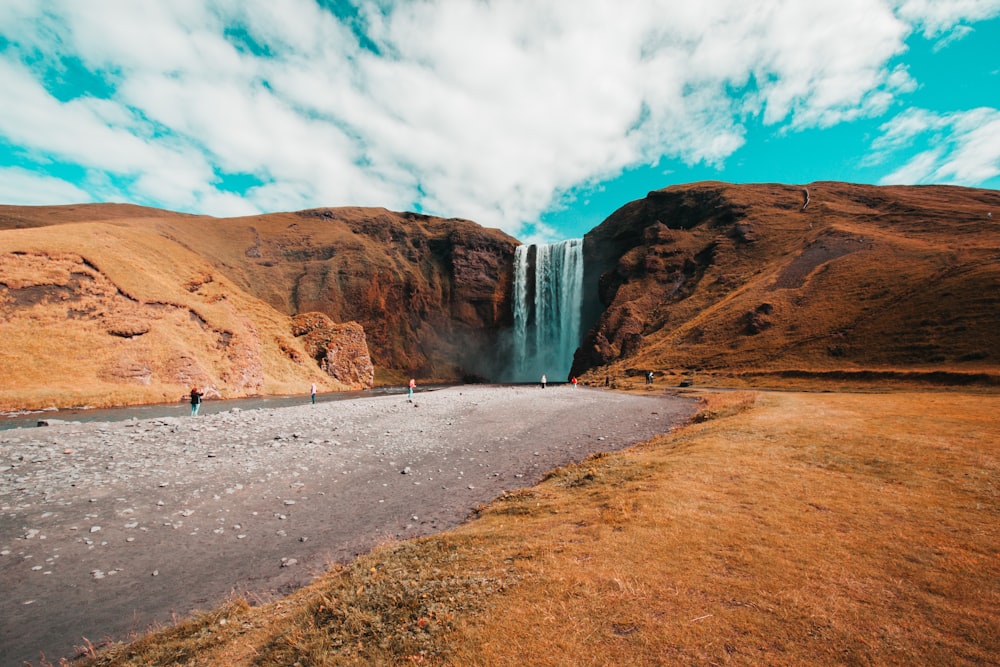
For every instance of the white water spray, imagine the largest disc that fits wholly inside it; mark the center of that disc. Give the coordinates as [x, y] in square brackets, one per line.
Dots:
[548, 292]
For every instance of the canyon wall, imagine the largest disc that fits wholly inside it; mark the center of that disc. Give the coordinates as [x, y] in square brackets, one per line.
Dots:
[113, 304]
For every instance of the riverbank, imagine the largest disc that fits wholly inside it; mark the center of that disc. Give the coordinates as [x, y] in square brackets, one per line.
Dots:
[106, 528]
[781, 528]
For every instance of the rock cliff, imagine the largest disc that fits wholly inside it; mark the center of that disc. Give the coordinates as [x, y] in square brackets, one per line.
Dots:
[340, 350]
[431, 294]
[778, 278]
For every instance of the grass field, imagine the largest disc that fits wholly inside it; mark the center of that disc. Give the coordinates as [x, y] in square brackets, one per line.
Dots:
[779, 528]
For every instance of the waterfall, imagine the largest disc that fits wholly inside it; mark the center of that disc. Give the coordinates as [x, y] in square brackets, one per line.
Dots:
[548, 291]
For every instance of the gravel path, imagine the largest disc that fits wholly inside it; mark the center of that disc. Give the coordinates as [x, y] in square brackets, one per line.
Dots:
[107, 528]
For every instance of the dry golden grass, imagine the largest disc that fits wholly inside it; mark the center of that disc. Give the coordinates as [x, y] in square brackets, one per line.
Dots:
[102, 314]
[781, 529]
[866, 279]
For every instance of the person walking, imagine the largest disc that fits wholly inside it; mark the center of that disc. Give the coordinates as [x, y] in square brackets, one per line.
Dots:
[195, 401]
[544, 380]
[412, 386]
[573, 380]
[312, 393]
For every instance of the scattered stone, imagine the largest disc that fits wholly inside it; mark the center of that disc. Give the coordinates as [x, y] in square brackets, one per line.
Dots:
[125, 468]
[288, 562]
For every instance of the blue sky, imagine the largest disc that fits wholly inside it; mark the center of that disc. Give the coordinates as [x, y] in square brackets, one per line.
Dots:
[540, 117]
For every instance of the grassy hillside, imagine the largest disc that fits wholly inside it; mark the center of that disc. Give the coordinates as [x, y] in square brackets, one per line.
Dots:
[111, 313]
[781, 529]
[738, 281]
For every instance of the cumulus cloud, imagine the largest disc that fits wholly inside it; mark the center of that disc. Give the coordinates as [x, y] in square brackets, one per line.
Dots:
[938, 17]
[26, 188]
[960, 148]
[489, 111]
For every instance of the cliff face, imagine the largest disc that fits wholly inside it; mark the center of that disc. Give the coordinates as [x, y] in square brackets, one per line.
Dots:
[430, 293]
[157, 301]
[738, 278]
[340, 350]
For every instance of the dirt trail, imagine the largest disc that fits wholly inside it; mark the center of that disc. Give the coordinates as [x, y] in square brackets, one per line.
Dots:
[107, 528]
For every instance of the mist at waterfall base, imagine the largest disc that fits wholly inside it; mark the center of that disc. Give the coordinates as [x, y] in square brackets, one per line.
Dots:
[548, 293]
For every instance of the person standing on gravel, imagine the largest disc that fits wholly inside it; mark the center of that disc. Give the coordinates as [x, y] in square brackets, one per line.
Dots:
[545, 380]
[195, 401]
[412, 386]
[312, 393]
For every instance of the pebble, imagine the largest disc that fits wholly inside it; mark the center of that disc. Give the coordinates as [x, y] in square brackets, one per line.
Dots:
[148, 474]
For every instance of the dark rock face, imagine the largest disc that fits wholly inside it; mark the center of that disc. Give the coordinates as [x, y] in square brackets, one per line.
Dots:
[432, 295]
[640, 260]
[340, 349]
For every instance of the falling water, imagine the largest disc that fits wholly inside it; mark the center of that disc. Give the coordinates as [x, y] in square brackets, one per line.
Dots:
[548, 290]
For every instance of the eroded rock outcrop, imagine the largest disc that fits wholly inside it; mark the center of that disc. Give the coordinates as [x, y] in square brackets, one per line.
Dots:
[340, 349]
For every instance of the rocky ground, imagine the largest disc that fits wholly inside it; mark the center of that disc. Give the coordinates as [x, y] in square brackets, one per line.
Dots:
[108, 528]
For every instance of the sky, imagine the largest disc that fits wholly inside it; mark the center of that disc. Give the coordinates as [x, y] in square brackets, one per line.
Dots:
[538, 117]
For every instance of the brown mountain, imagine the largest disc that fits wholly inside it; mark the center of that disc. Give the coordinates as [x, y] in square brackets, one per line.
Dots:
[114, 304]
[829, 278]
[118, 304]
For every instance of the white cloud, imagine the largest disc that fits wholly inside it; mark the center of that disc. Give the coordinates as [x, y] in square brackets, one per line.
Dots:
[462, 108]
[938, 17]
[964, 147]
[26, 188]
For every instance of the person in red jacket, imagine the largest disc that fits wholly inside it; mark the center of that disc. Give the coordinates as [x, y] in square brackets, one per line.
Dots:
[195, 401]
